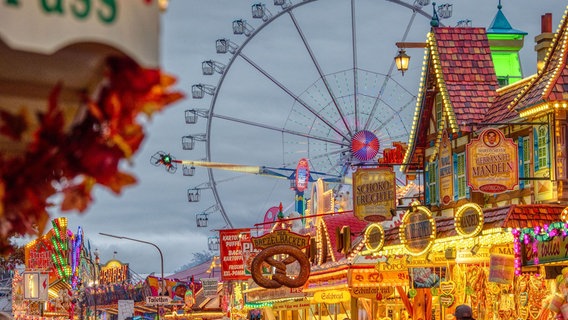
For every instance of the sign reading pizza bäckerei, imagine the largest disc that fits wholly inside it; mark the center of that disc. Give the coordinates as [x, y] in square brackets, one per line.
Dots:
[48, 26]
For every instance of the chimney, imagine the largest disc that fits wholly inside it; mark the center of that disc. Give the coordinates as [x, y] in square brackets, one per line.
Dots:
[543, 40]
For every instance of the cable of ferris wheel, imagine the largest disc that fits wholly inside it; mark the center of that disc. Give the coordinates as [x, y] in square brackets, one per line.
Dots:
[389, 74]
[274, 128]
[320, 72]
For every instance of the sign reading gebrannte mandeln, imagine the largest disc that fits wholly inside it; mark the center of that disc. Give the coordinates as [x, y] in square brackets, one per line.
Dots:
[491, 162]
[374, 193]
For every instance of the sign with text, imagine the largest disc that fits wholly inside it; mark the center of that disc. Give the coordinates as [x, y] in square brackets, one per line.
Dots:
[385, 275]
[48, 26]
[467, 256]
[209, 286]
[158, 300]
[374, 237]
[231, 254]
[249, 252]
[469, 220]
[554, 250]
[446, 170]
[491, 162]
[374, 193]
[281, 237]
[331, 296]
[418, 230]
[291, 305]
[372, 292]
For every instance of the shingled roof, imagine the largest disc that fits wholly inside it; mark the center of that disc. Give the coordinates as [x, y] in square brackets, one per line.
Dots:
[461, 66]
[551, 82]
[333, 221]
[499, 111]
[467, 71]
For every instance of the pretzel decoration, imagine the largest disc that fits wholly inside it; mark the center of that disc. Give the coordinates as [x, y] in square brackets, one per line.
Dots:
[271, 256]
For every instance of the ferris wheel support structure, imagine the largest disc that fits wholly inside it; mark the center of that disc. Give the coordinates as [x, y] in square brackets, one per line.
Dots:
[345, 131]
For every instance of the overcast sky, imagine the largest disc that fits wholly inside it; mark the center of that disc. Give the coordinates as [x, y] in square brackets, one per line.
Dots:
[157, 210]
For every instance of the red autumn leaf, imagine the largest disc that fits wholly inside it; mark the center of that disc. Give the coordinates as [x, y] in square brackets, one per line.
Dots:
[77, 197]
[108, 133]
[120, 180]
[14, 125]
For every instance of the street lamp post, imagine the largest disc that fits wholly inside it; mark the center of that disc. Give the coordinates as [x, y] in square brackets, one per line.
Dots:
[146, 242]
[95, 282]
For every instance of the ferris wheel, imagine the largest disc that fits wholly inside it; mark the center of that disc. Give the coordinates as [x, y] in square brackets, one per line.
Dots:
[308, 80]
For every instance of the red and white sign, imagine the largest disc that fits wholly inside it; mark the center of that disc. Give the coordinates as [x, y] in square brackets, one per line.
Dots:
[231, 252]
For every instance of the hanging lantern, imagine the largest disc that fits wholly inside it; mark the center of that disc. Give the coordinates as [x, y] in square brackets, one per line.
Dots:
[402, 60]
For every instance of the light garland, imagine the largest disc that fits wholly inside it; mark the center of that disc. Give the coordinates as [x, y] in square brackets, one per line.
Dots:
[419, 97]
[546, 91]
[534, 236]
[60, 247]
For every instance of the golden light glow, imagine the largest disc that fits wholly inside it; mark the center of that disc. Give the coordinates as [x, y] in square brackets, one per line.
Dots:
[373, 231]
[564, 215]
[459, 215]
[405, 224]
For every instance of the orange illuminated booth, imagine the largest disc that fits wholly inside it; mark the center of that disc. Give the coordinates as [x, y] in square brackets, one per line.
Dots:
[44, 289]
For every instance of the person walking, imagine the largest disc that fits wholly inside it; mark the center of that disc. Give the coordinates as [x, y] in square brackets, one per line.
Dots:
[463, 312]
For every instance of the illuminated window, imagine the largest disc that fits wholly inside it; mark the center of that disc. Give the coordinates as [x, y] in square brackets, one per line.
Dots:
[526, 156]
[524, 159]
[542, 147]
[432, 185]
[439, 113]
[461, 175]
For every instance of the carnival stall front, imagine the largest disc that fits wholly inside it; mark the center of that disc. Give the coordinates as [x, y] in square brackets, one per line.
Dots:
[540, 252]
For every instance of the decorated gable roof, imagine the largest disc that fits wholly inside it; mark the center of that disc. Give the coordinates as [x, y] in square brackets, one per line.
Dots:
[550, 85]
[498, 111]
[469, 79]
[460, 66]
[337, 221]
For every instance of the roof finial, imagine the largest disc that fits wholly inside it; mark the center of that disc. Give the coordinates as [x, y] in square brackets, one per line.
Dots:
[499, 6]
[435, 22]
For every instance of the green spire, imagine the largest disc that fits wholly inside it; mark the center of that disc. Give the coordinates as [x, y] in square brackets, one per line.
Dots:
[505, 43]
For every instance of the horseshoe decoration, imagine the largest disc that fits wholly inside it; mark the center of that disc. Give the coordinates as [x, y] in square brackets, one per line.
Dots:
[271, 256]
